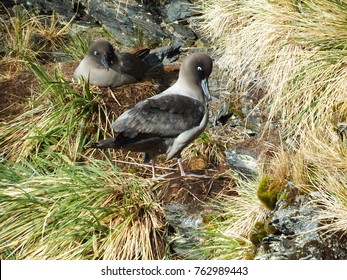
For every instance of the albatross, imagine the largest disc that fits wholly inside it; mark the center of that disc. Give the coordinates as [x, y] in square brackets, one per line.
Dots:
[103, 66]
[166, 123]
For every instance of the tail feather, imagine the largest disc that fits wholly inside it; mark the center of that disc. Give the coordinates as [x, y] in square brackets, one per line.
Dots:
[104, 144]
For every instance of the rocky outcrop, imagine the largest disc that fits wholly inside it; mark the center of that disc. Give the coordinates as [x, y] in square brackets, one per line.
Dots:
[129, 22]
[297, 233]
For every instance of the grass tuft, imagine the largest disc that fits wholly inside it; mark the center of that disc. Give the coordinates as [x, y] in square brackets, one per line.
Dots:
[295, 52]
[60, 119]
[28, 37]
[79, 211]
[228, 227]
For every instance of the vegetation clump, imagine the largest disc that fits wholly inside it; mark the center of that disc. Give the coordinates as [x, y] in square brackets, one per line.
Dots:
[295, 53]
[79, 211]
[58, 200]
[268, 192]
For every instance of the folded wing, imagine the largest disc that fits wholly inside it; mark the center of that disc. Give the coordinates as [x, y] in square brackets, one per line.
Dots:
[166, 116]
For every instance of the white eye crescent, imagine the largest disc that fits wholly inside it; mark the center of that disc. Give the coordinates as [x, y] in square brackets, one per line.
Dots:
[95, 53]
[199, 68]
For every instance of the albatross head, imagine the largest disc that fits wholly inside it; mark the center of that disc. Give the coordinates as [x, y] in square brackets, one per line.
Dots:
[194, 73]
[103, 53]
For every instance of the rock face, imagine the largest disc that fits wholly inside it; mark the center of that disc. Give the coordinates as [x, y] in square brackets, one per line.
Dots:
[297, 235]
[243, 161]
[185, 220]
[129, 22]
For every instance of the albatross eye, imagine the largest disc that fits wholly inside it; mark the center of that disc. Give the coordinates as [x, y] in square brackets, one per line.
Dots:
[96, 53]
[199, 68]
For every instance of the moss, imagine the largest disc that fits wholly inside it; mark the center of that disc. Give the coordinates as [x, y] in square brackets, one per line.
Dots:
[270, 229]
[208, 218]
[237, 113]
[203, 138]
[258, 233]
[211, 220]
[269, 191]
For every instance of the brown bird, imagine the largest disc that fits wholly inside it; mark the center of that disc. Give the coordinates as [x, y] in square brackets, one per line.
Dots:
[166, 123]
[105, 67]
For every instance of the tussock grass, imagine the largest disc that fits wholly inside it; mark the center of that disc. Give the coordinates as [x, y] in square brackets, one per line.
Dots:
[227, 228]
[79, 211]
[326, 158]
[61, 118]
[56, 200]
[29, 37]
[77, 45]
[294, 51]
[209, 147]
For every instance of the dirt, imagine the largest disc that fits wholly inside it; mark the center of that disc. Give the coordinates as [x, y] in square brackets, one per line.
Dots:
[15, 94]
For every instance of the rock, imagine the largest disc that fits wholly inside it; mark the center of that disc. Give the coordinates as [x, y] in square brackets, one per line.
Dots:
[130, 23]
[178, 10]
[127, 23]
[183, 32]
[184, 219]
[297, 234]
[243, 161]
[341, 129]
[162, 56]
[64, 8]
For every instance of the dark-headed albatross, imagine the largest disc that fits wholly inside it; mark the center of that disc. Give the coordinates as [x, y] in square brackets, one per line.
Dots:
[105, 67]
[169, 121]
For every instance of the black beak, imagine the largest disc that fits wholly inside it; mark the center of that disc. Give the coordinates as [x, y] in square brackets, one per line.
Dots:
[204, 86]
[105, 60]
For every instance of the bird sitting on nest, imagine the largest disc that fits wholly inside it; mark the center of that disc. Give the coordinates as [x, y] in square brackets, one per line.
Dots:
[104, 67]
[166, 123]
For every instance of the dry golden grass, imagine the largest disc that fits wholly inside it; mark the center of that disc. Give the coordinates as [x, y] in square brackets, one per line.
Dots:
[296, 52]
[326, 158]
[27, 37]
[228, 227]
[78, 211]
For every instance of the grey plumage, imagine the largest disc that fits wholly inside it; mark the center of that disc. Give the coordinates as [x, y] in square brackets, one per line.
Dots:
[169, 121]
[105, 67]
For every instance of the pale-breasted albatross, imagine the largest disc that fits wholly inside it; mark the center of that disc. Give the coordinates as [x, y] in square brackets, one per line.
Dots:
[169, 121]
[103, 66]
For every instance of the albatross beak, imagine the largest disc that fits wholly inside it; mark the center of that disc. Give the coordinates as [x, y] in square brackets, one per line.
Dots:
[106, 61]
[204, 86]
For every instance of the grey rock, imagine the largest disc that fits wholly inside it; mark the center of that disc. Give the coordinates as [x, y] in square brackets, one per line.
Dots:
[65, 8]
[243, 161]
[178, 10]
[127, 23]
[298, 235]
[162, 56]
[183, 32]
[130, 23]
[184, 219]
[341, 129]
